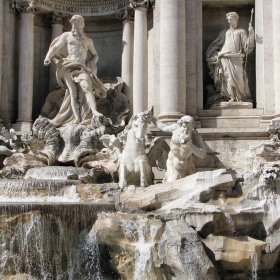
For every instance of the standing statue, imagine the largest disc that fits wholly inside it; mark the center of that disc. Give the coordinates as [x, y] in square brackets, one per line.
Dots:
[225, 57]
[185, 141]
[76, 75]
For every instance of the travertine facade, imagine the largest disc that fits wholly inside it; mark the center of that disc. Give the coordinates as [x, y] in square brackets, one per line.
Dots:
[157, 47]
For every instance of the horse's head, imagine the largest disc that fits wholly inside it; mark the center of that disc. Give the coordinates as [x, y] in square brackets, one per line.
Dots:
[140, 123]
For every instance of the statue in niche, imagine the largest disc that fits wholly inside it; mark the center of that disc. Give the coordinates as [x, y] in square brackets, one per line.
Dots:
[185, 141]
[225, 57]
[76, 75]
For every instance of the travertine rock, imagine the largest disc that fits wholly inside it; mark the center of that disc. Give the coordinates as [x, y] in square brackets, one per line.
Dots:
[151, 249]
[263, 201]
[199, 187]
[16, 165]
[235, 254]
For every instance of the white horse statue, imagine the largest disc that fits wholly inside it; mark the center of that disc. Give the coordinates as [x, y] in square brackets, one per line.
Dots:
[129, 146]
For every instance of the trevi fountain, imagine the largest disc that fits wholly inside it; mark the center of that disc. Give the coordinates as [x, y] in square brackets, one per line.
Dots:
[139, 139]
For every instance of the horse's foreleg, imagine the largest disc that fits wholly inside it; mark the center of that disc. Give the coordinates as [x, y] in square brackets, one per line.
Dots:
[145, 173]
[122, 176]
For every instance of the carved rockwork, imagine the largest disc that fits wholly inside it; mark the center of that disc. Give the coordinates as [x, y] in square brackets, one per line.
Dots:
[46, 140]
[226, 58]
[8, 145]
[31, 151]
[185, 141]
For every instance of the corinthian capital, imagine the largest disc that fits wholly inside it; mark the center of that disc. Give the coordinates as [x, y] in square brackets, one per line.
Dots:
[139, 3]
[56, 18]
[126, 14]
[24, 6]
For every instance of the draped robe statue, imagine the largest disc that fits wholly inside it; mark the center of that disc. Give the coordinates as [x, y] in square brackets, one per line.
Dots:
[76, 75]
[226, 56]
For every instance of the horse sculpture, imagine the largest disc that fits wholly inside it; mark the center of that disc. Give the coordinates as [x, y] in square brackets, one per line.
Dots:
[129, 146]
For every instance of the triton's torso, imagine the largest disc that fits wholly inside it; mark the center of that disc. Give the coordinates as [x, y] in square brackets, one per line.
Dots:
[178, 149]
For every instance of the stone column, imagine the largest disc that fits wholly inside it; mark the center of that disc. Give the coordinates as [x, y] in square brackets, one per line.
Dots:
[172, 60]
[9, 76]
[127, 15]
[57, 21]
[156, 58]
[1, 43]
[26, 66]
[276, 48]
[140, 58]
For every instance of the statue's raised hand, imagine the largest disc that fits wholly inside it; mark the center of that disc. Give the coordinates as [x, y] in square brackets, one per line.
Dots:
[47, 62]
[250, 28]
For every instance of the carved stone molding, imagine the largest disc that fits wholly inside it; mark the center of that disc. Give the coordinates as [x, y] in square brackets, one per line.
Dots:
[83, 7]
[24, 6]
[56, 18]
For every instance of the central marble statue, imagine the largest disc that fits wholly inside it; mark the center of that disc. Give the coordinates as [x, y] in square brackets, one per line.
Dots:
[76, 75]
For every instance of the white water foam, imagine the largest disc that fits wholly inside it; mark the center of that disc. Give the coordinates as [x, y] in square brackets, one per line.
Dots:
[142, 236]
[254, 263]
[68, 195]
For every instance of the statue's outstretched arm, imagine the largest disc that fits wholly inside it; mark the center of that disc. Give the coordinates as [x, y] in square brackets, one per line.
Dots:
[54, 49]
[164, 127]
[198, 147]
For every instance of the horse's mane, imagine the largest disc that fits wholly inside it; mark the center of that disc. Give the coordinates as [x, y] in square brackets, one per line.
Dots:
[122, 135]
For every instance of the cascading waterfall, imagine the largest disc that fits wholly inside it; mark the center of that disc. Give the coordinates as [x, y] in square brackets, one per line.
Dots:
[231, 224]
[254, 263]
[142, 235]
[50, 241]
[38, 191]
[55, 172]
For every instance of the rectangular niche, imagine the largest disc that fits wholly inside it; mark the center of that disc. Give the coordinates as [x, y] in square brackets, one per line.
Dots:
[214, 21]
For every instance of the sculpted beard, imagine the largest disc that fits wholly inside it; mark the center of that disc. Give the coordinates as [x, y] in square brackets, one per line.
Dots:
[76, 32]
[184, 135]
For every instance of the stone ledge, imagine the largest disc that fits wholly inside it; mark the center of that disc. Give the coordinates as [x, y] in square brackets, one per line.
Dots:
[259, 133]
[234, 133]
[230, 112]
